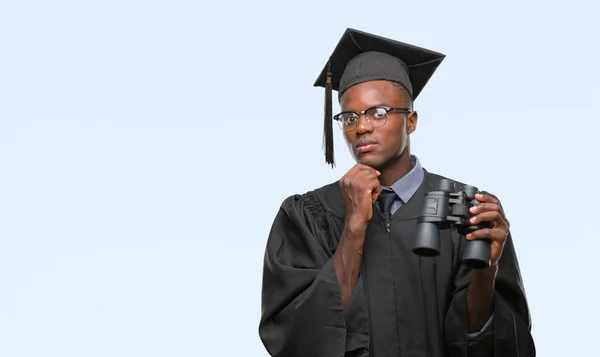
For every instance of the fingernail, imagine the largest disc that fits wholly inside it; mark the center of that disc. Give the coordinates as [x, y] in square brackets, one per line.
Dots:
[473, 209]
[469, 236]
[473, 219]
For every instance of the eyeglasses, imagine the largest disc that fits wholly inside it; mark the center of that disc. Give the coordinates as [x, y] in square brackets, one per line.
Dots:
[376, 117]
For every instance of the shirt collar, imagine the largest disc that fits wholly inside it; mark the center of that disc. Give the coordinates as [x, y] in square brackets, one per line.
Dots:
[407, 185]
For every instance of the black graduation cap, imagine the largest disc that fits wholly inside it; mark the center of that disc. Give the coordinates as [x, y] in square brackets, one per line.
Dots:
[361, 57]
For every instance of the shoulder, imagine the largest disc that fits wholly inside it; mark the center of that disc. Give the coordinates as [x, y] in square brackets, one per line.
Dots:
[327, 198]
[316, 204]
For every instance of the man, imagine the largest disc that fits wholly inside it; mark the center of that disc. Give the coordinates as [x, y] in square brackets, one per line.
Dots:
[340, 277]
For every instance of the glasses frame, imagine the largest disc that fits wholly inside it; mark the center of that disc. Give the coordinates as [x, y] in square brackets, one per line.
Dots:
[364, 112]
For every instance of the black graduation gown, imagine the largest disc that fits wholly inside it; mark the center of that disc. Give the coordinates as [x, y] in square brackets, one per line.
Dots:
[403, 305]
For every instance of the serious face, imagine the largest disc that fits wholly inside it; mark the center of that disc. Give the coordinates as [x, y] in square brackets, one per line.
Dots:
[379, 146]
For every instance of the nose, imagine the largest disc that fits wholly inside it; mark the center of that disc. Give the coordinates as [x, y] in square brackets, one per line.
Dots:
[363, 126]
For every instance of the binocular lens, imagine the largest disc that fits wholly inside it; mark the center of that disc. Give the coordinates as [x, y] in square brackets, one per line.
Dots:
[427, 240]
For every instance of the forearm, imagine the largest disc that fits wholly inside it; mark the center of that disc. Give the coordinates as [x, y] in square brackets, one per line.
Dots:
[480, 298]
[347, 259]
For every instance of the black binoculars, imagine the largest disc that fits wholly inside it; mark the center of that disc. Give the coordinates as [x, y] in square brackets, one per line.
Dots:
[444, 208]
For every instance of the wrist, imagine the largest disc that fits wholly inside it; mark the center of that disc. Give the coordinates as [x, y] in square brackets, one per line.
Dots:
[355, 225]
[487, 274]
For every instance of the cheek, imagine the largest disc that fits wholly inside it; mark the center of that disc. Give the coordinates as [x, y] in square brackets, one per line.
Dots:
[347, 136]
[396, 137]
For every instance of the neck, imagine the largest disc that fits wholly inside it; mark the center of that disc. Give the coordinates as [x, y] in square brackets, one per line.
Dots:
[396, 169]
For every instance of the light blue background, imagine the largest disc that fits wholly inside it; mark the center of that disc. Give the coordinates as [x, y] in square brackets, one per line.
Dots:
[128, 127]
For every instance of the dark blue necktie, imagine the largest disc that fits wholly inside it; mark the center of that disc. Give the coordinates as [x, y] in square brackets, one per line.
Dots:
[386, 199]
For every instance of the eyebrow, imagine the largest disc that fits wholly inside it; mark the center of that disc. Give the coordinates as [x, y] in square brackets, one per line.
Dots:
[372, 106]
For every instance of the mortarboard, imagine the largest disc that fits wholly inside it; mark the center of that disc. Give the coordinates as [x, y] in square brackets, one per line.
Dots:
[361, 57]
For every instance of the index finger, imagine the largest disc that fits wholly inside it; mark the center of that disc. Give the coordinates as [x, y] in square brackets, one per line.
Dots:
[366, 167]
[355, 169]
[482, 197]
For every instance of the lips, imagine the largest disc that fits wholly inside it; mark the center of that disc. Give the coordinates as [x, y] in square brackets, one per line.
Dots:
[365, 145]
[365, 142]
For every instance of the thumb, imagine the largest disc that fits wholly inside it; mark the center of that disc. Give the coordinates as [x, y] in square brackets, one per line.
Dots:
[376, 192]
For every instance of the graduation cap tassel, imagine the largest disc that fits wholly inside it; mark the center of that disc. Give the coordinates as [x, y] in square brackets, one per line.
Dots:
[328, 126]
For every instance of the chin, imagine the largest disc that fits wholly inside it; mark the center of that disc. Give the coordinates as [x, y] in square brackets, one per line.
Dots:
[373, 161]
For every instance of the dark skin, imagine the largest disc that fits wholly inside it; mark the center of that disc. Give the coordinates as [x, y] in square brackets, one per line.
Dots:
[387, 161]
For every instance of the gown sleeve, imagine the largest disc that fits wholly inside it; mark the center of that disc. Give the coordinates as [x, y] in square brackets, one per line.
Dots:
[509, 333]
[301, 301]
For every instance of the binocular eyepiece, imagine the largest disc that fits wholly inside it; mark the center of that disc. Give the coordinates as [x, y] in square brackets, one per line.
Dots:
[444, 208]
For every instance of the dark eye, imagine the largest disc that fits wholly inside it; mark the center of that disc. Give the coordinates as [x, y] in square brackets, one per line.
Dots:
[348, 118]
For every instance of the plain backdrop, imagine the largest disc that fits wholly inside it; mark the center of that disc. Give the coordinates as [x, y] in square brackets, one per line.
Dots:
[145, 147]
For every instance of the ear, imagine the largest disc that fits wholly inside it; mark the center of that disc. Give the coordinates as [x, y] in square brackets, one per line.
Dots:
[411, 122]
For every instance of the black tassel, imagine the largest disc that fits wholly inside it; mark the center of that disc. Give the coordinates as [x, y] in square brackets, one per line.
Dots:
[328, 125]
